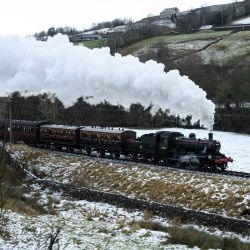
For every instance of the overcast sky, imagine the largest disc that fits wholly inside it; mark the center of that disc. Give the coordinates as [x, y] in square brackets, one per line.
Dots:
[23, 17]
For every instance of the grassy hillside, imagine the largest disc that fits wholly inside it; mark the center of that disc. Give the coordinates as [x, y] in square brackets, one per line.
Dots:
[219, 47]
[174, 39]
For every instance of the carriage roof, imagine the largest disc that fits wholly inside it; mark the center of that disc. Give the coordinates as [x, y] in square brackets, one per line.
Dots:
[105, 130]
[27, 123]
[62, 127]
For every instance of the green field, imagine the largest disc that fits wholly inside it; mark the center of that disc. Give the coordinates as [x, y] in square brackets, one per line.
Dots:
[94, 43]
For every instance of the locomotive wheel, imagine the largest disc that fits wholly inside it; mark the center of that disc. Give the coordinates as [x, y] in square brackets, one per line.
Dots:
[135, 157]
[117, 156]
[145, 158]
[223, 167]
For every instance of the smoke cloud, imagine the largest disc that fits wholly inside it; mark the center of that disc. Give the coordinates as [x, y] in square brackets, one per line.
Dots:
[57, 66]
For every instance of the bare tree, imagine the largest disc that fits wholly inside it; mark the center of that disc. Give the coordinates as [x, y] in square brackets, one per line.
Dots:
[53, 237]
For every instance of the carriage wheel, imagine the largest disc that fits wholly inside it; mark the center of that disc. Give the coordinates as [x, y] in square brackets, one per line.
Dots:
[102, 153]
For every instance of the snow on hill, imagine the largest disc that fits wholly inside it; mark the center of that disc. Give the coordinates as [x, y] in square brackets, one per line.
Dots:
[245, 20]
[122, 28]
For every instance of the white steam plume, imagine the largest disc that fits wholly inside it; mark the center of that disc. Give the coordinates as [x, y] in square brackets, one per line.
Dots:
[72, 71]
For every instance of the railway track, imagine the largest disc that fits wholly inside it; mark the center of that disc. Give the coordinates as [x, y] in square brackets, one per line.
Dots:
[237, 174]
[151, 163]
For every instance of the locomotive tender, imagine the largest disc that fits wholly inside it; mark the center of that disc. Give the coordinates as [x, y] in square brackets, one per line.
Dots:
[161, 147]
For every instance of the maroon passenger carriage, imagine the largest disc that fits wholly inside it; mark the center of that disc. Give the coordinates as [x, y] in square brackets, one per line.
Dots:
[59, 136]
[21, 130]
[105, 140]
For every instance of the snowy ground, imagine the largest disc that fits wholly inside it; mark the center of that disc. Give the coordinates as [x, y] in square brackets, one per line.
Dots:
[232, 144]
[88, 225]
[245, 20]
[193, 190]
[85, 225]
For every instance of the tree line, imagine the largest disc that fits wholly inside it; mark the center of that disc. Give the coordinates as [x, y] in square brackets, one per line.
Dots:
[104, 114]
[205, 16]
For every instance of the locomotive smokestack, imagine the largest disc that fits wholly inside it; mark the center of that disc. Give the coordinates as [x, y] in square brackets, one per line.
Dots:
[210, 136]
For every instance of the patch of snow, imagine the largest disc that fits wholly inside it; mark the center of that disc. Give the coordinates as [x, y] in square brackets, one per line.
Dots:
[206, 27]
[122, 28]
[245, 20]
[101, 231]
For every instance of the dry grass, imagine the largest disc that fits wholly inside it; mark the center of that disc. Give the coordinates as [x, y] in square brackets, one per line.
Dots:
[148, 214]
[191, 237]
[192, 190]
[4, 234]
[194, 238]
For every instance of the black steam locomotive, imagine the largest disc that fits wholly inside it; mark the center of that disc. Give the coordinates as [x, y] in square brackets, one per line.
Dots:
[164, 147]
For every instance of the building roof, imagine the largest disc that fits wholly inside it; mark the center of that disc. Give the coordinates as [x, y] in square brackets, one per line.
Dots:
[54, 126]
[27, 123]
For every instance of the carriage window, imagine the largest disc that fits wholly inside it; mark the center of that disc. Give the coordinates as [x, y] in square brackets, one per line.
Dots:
[115, 139]
[85, 136]
[163, 140]
[106, 138]
[94, 137]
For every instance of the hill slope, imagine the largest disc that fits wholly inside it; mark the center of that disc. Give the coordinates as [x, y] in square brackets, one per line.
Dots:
[221, 48]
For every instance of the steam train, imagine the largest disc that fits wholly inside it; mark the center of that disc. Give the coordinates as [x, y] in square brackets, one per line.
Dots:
[166, 147]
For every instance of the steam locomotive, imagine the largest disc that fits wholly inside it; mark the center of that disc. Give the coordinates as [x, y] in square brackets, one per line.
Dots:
[166, 147]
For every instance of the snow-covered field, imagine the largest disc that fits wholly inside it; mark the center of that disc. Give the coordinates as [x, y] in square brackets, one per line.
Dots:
[232, 144]
[89, 225]
[85, 225]
[192, 190]
[245, 20]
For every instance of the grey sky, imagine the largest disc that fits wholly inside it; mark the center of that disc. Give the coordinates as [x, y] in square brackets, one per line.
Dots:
[23, 17]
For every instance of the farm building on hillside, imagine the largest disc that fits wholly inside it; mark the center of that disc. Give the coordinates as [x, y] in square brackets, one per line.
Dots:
[84, 37]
